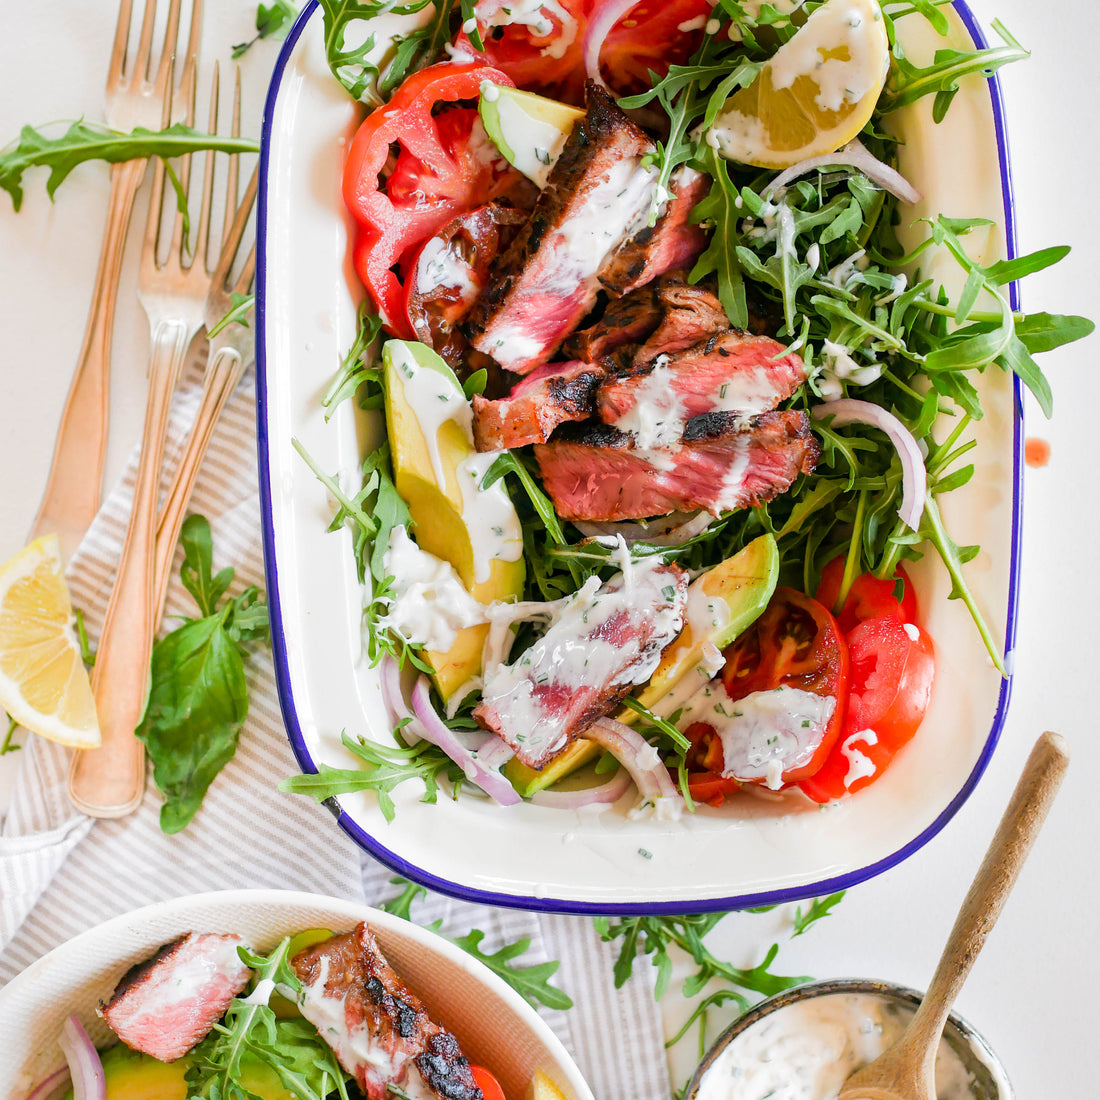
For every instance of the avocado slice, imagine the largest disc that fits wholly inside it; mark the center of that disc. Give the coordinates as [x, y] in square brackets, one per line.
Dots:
[424, 396]
[721, 604]
[528, 129]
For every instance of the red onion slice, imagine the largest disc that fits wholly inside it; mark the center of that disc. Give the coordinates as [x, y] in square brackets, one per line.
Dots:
[435, 730]
[597, 32]
[389, 679]
[914, 479]
[640, 759]
[853, 155]
[605, 793]
[89, 1080]
[54, 1087]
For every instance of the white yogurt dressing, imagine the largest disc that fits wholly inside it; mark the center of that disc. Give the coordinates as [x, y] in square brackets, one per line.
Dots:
[807, 1050]
[860, 766]
[536, 15]
[430, 605]
[764, 734]
[440, 265]
[837, 366]
[657, 416]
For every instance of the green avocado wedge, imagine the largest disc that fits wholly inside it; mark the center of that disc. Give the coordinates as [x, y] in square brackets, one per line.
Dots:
[528, 129]
[721, 604]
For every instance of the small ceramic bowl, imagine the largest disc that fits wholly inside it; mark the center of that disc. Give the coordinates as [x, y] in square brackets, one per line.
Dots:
[988, 1078]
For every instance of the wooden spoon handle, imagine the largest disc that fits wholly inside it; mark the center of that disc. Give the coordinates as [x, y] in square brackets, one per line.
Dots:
[1039, 783]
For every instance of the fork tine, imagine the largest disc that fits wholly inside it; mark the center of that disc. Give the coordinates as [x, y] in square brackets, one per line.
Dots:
[118, 50]
[202, 242]
[231, 179]
[244, 281]
[168, 51]
[187, 90]
[156, 196]
[140, 69]
[220, 276]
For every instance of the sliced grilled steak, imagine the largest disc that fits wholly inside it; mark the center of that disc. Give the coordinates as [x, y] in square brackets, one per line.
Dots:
[167, 1004]
[376, 1026]
[690, 315]
[730, 372]
[597, 195]
[626, 320]
[596, 472]
[672, 243]
[606, 639]
[551, 395]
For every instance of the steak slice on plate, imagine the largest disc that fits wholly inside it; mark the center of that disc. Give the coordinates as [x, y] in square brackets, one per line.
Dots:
[554, 394]
[167, 1004]
[376, 1026]
[723, 461]
[541, 288]
[626, 320]
[604, 640]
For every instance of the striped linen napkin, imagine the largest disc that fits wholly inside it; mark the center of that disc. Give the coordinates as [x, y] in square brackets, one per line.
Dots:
[247, 834]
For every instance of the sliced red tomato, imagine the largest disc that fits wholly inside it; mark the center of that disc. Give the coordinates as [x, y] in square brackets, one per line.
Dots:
[541, 50]
[893, 665]
[868, 597]
[449, 272]
[490, 1087]
[444, 165]
[794, 647]
[651, 36]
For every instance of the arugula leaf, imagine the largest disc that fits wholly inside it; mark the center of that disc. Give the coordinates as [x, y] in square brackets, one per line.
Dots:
[719, 211]
[360, 369]
[819, 908]
[85, 141]
[401, 906]
[6, 745]
[272, 21]
[198, 695]
[250, 1044]
[240, 306]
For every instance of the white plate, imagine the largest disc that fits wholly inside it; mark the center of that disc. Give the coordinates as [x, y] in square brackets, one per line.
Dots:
[505, 1033]
[750, 852]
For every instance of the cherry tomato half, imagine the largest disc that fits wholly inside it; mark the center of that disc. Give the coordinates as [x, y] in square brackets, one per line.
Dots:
[490, 1087]
[868, 597]
[795, 648]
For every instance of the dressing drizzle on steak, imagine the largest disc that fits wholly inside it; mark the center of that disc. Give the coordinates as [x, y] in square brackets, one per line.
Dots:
[604, 640]
[376, 1026]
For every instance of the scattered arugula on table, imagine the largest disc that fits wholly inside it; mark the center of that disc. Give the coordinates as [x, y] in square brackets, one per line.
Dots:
[85, 141]
[7, 745]
[272, 21]
[532, 983]
[240, 305]
[198, 695]
[661, 936]
[251, 1033]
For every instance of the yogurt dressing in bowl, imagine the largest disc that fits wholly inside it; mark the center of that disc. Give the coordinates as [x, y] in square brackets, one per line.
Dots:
[805, 1044]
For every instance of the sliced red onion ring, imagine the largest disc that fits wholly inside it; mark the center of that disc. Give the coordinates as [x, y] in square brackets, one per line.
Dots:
[389, 679]
[598, 30]
[494, 752]
[914, 478]
[54, 1087]
[853, 155]
[671, 530]
[435, 730]
[89, 1080]
[611, 791]
[638, 756]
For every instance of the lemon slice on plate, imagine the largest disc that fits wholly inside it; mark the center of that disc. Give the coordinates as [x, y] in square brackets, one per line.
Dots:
[542, 1088]
[814, 94]
[43, 683]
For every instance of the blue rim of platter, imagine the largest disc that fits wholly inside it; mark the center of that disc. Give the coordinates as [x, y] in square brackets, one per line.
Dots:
[391, 859]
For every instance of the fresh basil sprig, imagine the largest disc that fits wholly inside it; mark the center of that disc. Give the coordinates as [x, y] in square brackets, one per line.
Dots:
[198, 694]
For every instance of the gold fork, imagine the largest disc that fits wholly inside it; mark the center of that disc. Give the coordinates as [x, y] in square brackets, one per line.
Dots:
[109, 781]
[71, 497]
[224, 366]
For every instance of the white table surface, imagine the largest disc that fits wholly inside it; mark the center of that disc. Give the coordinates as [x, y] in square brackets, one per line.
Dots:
[1032, 991]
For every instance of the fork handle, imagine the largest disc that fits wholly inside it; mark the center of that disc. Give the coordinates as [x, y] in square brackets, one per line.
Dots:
[223, 372]
[71, 498]
[109, 781]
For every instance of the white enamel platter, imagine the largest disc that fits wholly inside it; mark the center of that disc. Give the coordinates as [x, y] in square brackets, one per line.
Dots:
[753, 851]
[505, 1034]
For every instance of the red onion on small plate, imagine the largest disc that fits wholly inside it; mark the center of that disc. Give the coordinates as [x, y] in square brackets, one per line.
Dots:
[89, 1080]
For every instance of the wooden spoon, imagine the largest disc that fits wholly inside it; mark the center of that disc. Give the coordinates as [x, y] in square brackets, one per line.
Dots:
[906, 1071]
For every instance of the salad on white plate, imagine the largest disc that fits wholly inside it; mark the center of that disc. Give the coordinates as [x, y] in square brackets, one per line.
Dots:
[673, 389]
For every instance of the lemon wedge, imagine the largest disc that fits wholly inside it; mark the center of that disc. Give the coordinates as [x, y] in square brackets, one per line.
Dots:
[43, 683]
[814, 94]
[542, 1088]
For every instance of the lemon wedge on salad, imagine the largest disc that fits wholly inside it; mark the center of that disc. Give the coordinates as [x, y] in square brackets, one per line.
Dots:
[814, 94]
[43, 683]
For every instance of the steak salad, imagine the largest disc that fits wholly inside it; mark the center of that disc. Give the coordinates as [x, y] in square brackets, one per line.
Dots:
[668, 402]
